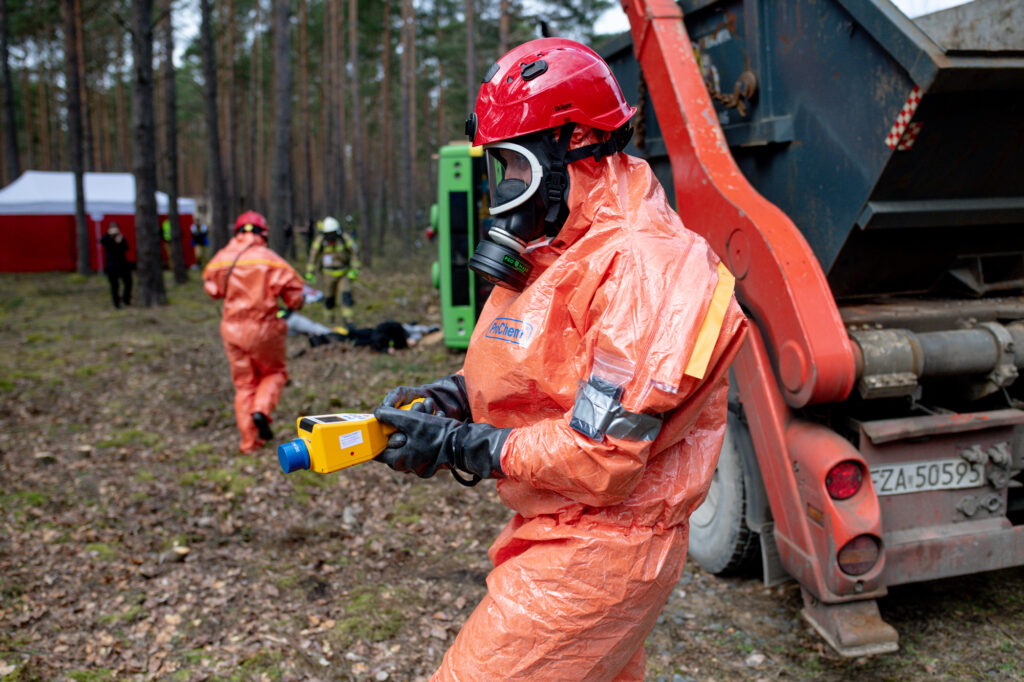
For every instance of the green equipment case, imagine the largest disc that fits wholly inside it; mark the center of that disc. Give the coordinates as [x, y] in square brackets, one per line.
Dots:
[460, 220]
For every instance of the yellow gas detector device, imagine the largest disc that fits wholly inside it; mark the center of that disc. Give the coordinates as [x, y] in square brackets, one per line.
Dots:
[329, 442]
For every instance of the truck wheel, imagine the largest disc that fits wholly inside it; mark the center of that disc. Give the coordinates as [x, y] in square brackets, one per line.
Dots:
[720, 540]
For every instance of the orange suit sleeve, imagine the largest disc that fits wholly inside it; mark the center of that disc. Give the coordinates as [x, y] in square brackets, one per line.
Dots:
[213, 275]
[287, 284]
[653, 333]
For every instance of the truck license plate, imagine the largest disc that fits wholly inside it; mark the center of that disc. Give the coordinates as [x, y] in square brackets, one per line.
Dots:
[915, 477]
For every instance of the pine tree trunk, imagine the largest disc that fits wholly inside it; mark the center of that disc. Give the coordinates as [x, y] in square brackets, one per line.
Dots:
[171, 146]
[102, 143]
[47, 147]
[410, 225]
[3, 154]
[503, 22]
[83, 85]
[441, 132]
[218, 200]
[34, 157]
[406, 107]
[251, 111]
[471, 84]
[327, 111]
[340, 129]
[33, 151]
[120, 114]
[258, 99]
[307, 128]
[387, 176]
[61, 153]
[230, 142]
[147, 228]
[75, 135]
[158, 103]
[12, 165]
[280, 165]
[98, 148]
[219, 38]
[357, 137]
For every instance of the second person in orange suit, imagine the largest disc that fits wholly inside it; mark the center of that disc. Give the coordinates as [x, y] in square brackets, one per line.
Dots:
[250, 278]
[595, 383]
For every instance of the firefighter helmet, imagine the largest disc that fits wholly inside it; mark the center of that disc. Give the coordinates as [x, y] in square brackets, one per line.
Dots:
[251, 221]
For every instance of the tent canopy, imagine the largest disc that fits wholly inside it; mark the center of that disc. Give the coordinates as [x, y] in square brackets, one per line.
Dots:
[53, 193]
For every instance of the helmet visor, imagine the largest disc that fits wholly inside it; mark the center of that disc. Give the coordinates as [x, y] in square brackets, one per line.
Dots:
[513, 173]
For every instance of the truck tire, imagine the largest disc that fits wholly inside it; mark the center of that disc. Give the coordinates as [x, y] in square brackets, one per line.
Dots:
[720, 540]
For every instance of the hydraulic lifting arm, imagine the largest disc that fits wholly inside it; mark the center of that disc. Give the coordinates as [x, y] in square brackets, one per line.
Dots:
[779, 280]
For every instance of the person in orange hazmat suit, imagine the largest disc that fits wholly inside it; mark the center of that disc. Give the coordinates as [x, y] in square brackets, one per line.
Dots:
[250, 278]
[594, 386]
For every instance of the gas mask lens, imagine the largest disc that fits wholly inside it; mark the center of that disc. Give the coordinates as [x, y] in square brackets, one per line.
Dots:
[522, 211]
[513, 173]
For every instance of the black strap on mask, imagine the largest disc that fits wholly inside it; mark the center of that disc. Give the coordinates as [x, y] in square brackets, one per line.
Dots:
[556, 178]
[618, 140]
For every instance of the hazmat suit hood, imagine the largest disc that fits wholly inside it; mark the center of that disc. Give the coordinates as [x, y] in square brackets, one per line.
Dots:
[246, 238]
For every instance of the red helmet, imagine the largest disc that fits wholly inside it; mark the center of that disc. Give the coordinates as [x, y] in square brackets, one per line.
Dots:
[543, 84]
[255, 221]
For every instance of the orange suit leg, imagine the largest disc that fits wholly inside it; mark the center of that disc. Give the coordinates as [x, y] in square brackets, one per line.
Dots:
[271, 373]
[635, 666]
[244, 376]
[567, 604]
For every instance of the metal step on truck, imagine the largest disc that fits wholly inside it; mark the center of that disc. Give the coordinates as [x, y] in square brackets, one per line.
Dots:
[862, 175]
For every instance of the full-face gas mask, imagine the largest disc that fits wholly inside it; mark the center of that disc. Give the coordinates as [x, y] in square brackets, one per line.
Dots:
[529, 188]
[529, 104]
[527, 201]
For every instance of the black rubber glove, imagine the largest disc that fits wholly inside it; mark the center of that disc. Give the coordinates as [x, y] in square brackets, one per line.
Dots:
[445, 397]
[426, 443]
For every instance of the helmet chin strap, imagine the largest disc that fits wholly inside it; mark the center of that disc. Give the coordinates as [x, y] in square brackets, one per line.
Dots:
[556, 178]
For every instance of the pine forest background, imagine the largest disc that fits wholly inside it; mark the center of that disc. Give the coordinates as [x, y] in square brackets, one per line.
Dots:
[295, 108]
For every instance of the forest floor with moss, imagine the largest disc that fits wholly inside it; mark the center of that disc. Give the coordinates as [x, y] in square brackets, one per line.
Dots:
[136, 543]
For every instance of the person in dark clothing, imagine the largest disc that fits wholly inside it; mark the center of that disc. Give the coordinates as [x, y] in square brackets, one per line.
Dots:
[310, 234]
[116, 265]
[200, 240]
[386, 337]
[289, 240]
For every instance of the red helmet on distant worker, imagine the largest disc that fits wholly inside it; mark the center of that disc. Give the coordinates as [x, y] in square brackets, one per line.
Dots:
[251, 221]
[543, 84]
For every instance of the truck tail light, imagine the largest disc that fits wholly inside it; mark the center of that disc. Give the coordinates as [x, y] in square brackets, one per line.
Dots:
[844, 479]
[859, 555]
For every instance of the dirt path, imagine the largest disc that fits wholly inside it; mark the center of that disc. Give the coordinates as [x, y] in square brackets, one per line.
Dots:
[135, 543]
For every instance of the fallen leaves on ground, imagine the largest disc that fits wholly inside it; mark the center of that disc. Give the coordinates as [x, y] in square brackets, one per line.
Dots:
[136, 543]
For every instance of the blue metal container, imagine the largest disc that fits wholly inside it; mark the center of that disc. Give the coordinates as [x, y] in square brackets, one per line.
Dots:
[898, 158]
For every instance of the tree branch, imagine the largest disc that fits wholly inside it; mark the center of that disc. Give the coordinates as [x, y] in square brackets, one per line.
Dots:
[124, 24]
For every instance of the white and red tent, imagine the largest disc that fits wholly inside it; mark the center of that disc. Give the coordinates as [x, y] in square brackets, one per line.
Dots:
[37, 219]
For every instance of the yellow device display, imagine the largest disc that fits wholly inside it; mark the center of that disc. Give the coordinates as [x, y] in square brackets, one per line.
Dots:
[330, 442]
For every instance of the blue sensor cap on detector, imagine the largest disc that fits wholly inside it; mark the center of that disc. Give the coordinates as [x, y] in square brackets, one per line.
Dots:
[293, 456]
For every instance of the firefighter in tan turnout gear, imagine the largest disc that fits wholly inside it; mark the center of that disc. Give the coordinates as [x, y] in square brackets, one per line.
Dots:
[335, 255]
